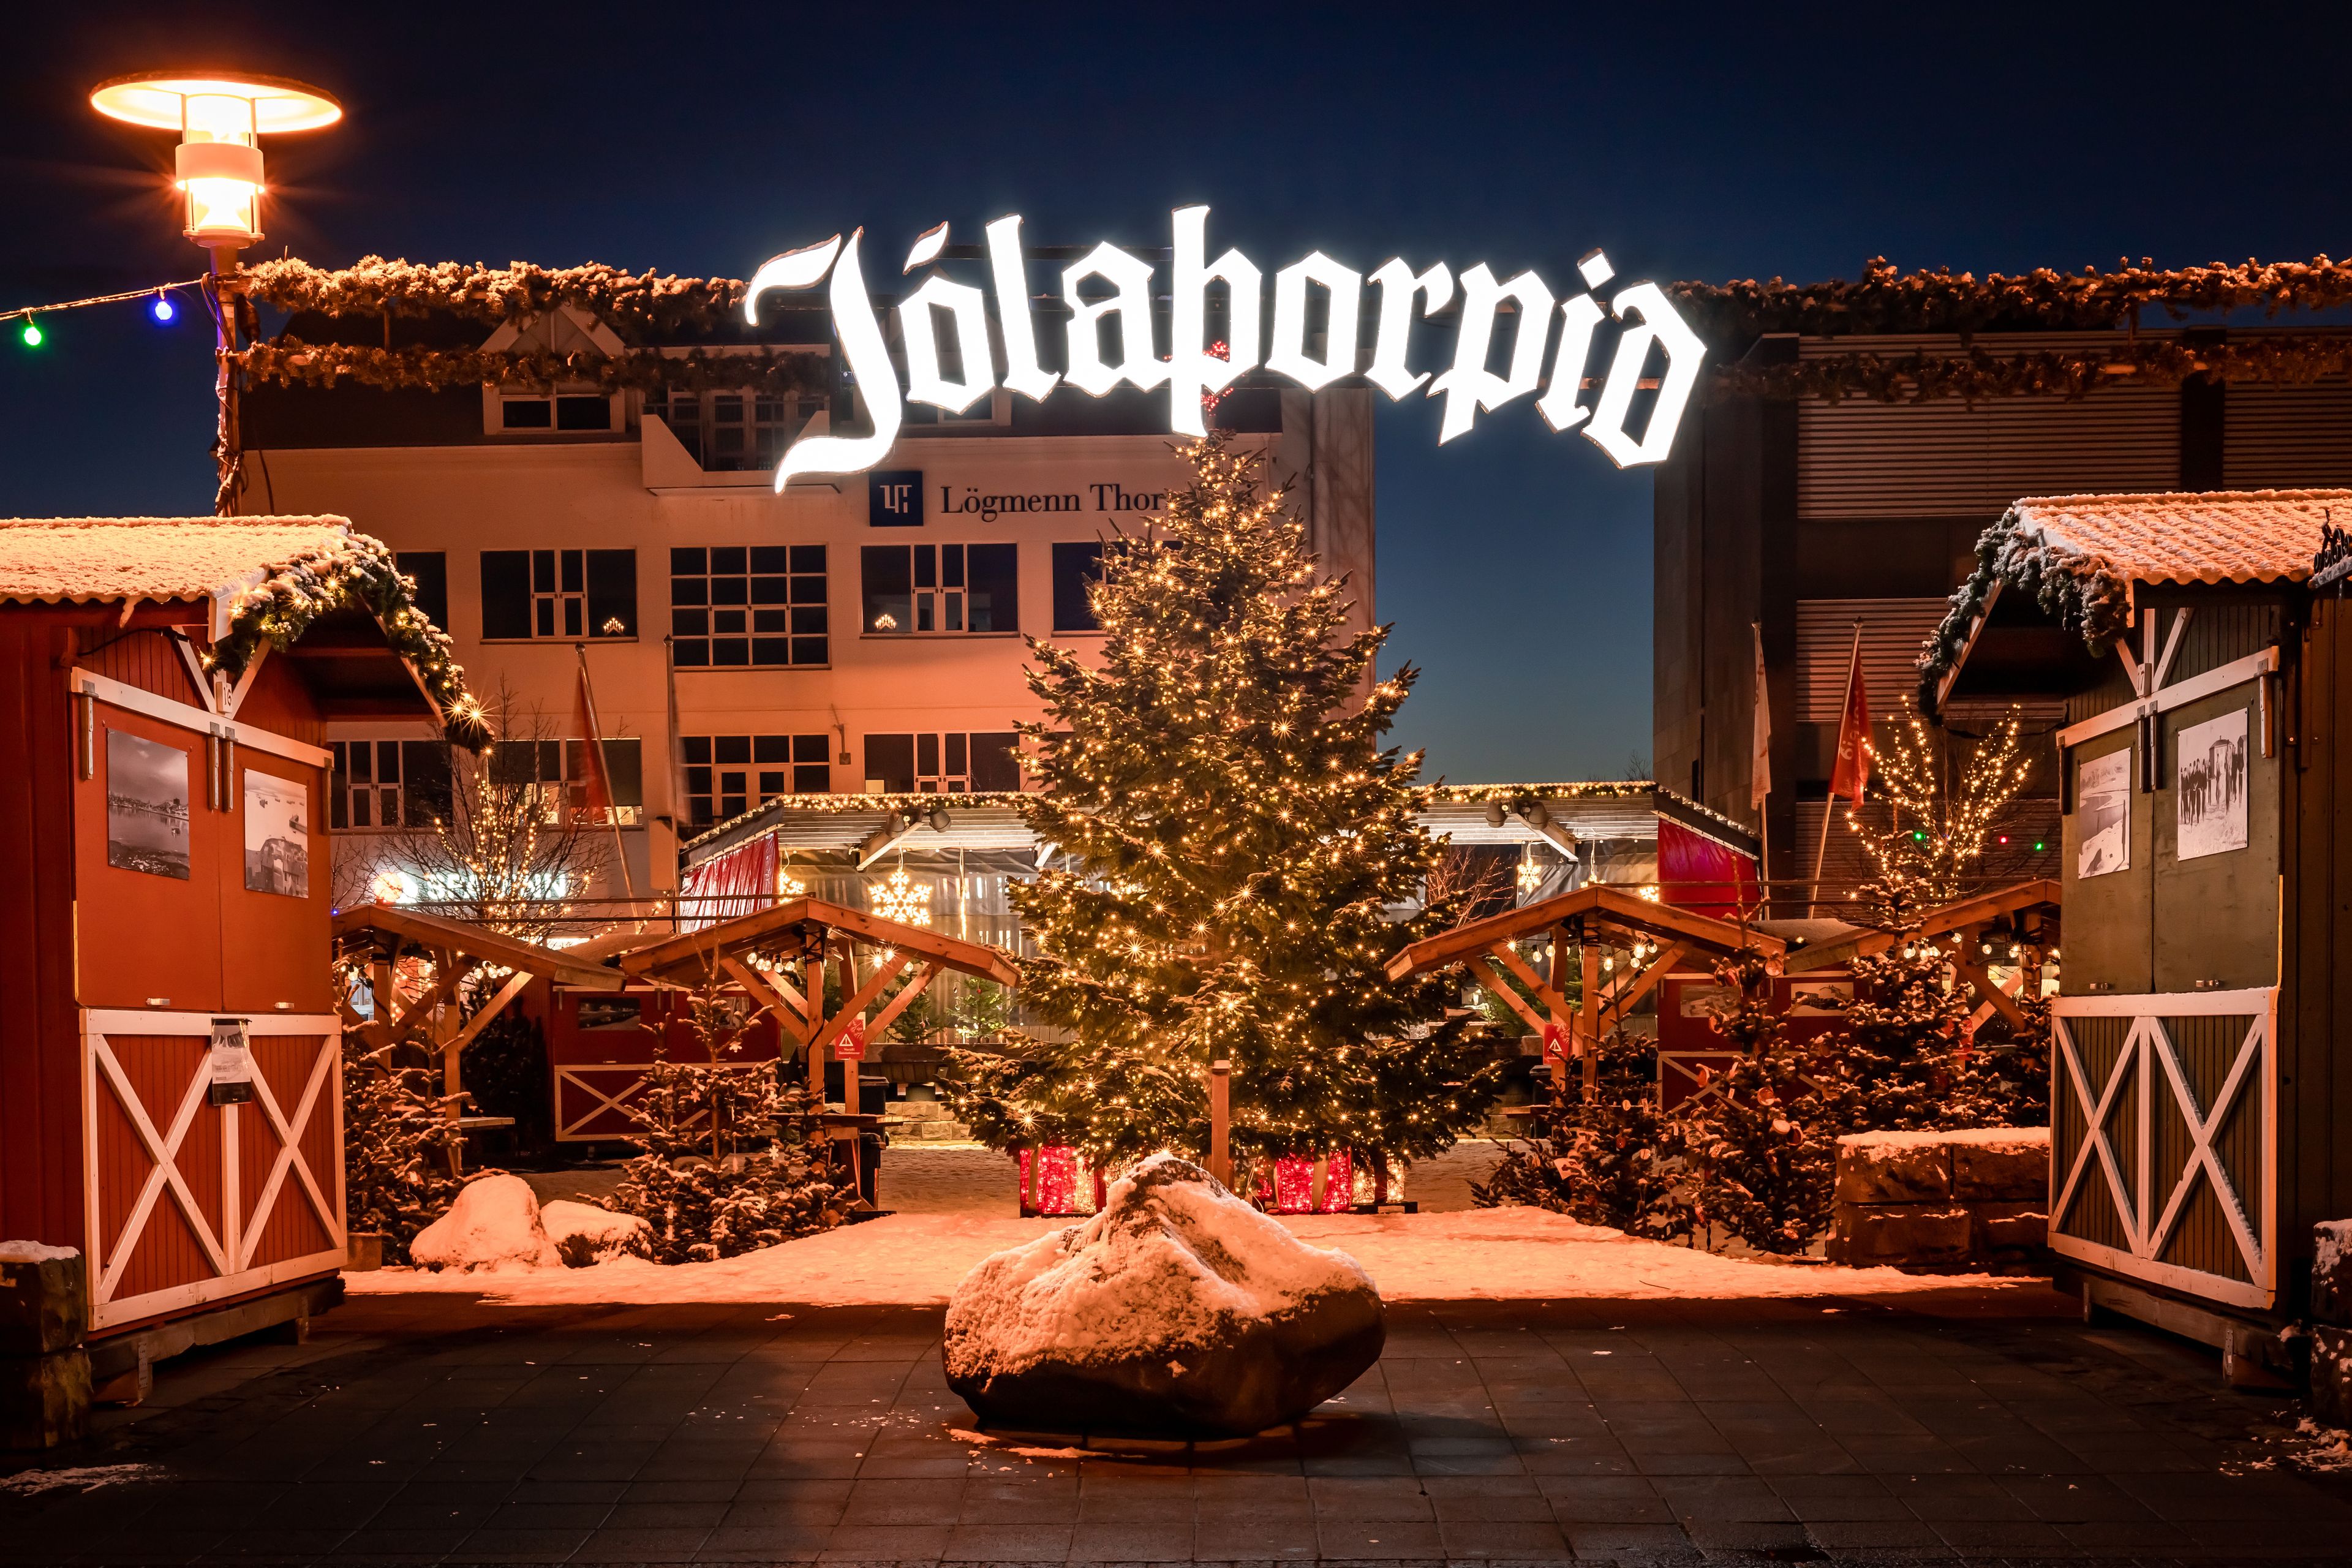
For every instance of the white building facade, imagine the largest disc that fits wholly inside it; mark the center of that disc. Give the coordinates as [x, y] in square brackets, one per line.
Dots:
[845, 636]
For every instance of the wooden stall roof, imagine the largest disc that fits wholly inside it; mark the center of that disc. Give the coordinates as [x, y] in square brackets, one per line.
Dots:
[2039, 893]
[1600, 901]
[382, 924]
[692, 953]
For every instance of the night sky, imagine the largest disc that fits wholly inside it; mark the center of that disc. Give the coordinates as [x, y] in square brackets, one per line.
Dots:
[702, 138]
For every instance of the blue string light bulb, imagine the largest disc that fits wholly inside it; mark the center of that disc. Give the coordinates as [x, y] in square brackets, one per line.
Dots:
[163, 308]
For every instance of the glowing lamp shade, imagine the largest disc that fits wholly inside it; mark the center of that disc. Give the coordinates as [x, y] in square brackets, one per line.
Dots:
[221, 120]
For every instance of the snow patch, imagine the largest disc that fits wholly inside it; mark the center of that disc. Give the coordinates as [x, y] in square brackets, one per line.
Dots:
[29, 1482]
[35, 1252]
[2019, 1138]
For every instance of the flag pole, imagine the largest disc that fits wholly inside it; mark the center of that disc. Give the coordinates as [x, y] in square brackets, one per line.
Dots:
[605, 772]
[1829, 805]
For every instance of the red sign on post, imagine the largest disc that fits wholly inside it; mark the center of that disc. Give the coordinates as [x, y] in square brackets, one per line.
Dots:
[1555, 1043]
[849, 1045]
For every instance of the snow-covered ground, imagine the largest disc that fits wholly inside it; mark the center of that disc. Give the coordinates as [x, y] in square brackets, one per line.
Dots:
[1489, 1254]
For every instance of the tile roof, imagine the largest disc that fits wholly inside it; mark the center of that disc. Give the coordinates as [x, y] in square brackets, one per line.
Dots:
[79, 559]
[2216, 536]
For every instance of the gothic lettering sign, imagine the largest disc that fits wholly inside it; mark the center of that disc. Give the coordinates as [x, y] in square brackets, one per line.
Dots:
[1109, 294]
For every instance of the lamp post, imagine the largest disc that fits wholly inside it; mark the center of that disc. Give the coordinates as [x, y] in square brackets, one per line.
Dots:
[221, 118]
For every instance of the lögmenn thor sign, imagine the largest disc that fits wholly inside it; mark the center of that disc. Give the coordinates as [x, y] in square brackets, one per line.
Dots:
[1649, 319]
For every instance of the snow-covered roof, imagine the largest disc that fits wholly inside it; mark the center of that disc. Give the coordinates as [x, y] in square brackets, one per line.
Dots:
[2079, 557]
[81, 559]
[2218, 536]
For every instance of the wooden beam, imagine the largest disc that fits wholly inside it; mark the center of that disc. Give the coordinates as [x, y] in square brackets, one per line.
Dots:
[1600, 903]
[1588, 1040]
[751, 980]
[856, 1006]
[1560, 1011]
[514, 987]
[820, 920]
[1647, 981]
[1493, 982]
[906, 996]
[1969, 969]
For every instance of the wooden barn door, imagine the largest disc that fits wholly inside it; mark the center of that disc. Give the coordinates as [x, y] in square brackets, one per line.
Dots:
[189, 1202]
[2164, 1140]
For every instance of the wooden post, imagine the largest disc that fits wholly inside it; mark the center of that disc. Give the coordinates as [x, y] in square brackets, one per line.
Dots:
[813, 989]
[845, 968]
[1588, 1031]
[1221, 1159]
[1560, 985]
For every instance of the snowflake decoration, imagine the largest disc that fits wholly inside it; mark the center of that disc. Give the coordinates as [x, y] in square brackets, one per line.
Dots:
[901, 898]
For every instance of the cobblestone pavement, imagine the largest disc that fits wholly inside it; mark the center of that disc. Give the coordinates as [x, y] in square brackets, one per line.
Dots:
[1955, 1424]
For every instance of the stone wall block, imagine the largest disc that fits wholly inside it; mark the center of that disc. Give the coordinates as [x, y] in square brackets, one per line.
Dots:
[2331, 1273]
[2008, 1226]
[1901, 1235]
[44, 1305]
[44, 1399]
[1871, 1172]
[2000, 1172]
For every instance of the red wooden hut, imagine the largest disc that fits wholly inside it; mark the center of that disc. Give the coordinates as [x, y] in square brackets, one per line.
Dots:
[170, 1084]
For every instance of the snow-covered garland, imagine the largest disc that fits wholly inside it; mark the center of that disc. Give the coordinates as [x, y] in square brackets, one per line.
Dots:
[276, 612]
[654, 304]
[2085, 593]
[290, 361]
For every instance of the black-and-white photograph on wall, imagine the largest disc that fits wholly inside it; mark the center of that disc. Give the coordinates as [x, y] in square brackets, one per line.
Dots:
[2103, 814]
[146, 806]
[277, 836]
[2210, 786]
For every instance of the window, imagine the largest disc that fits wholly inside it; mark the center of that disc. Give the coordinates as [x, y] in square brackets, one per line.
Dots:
[387, 784]
[568, 411]
[556, 772]
[429, 569]
[732, 430]
[939, 588]
[1076, 568]
[736, 606]
[727, 775]
[575, 594]
[954, 764]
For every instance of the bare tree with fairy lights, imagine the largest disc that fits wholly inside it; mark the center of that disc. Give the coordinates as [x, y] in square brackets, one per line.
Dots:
[1238, 837]
[1935, 834]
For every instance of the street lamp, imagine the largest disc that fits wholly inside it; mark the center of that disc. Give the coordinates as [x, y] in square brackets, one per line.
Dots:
[221, 117]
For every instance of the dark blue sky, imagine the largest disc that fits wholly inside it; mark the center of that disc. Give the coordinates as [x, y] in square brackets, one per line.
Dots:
[1689, 141]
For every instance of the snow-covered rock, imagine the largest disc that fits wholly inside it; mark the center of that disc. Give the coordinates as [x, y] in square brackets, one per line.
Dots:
[586, 1234]
[1178, 1308]
[494, 1224]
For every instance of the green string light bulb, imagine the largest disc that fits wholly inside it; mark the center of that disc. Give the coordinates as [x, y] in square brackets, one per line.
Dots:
[32, 334]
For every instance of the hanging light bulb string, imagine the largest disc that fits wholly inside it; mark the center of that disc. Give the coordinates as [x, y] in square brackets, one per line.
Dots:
[30, 314]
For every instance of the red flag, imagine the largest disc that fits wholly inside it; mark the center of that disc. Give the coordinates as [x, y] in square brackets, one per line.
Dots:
[1852, 772]
[594, 799]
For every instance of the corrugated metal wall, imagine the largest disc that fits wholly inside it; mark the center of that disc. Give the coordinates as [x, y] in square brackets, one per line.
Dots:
[1892, 632]
[2287, 438]
[1949, 457]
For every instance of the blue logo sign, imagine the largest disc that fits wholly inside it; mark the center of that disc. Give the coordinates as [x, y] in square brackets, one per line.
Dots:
[894, 498]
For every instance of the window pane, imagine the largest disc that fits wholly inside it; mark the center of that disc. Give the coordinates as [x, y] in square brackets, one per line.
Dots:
[544, 622]
[692, 653]
[811, 650]
[771, 558]
[730, 651]
[993, 761]
[771, 783]
[430, 568]
[889, 600]
[927, 756]
[583, 413]
[771, 650]
[690, 623]
[571, 618]
[526, 413]
[812, 778]
[995, 591]
[426, 765]
[689, 563]
[951, 565]
[808, 557]
[955, 754]
[770, 621]
[696, 747]
[771, 748]
[808, 590]
[387, 761]
[809, 619]
[770, 590]
[689, 590]
[891, 760]
[730, 590]
[575, 573]
[731, 559]
[543, 570]
[1076, 567]
[731, 749]
[625, 764]
[809, 748]
[506, 594]
[611, 592]
[727, 621]
[926, 567]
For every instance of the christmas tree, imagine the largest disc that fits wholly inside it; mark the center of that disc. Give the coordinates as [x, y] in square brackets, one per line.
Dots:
[1610, 1158]
[1238, 841]
[1934, 838]
[1762, 1143]
[398, 1147]
[1902, 1046]
[726, 1168]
